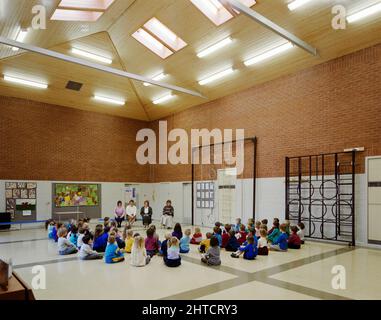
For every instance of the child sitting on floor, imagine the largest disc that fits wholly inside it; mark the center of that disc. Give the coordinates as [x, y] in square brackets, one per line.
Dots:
[226, 235]
[139, 256]
[263, 249]
[173, 258]
[177, 231]
[288, 230]
[249, 249]
[113, 253]
[258, 229]
[275, 233]
[233, 243]
[275, 225]
[301, 228]
[49, 226]
[294, 241]
[129, 240]
[217, 233]
[205, 244]
[86, 252]
[65, 247]
[185, 240]
[197, 236]
[151, 242]
[237, 226]
[281, 244]
[212, 256]
[100, 239]
[241, 235]
[164, 245]
[57, 226]
[74, 235]
[265, 222]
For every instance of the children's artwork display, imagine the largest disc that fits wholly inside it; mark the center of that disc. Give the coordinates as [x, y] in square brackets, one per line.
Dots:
[76, 195]
[20, 198]
[205, 195]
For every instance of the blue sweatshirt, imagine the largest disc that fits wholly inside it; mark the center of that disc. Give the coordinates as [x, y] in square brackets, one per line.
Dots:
[164, 248]
[112, 251]
[219, 238]
[250, 251]
[100, 243]
[184, 243]
[282, 241]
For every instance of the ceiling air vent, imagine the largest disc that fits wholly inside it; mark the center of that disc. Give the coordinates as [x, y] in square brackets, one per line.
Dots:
[72, 85]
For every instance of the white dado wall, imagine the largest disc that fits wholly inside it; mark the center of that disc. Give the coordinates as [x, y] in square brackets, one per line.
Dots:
[270, 201]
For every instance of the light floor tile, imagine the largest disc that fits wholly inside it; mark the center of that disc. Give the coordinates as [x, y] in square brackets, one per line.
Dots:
[257, 291]
[363, 274]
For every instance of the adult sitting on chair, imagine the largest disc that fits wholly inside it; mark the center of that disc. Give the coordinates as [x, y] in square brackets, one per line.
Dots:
[131, 212]
[119, 213]
[146, 213]
[167, 217]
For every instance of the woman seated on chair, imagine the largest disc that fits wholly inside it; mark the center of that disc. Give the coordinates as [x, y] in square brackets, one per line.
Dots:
[131, 212]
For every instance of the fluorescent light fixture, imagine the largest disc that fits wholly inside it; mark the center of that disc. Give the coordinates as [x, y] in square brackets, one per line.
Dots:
[215, 47]
[364, 13]
[269, 54]
[152, 43]
[216, 76]
[163, 99]
[215, 11]
[92, 56]
[88, 4]
[25, 82]
[110, 100]
[20, 37]
[159, 77]
[76, 15]
[296, 4]
[163, 33]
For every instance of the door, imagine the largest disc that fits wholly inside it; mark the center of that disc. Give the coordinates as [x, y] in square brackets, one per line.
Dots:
[374, 200]
[187, 203]
[227, 180]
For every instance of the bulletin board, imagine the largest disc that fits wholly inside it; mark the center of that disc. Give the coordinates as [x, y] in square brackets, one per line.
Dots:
[205, 195]
[21, 200]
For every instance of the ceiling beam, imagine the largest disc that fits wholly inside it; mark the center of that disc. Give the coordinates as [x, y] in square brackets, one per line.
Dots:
[89, 64]
[235, 4]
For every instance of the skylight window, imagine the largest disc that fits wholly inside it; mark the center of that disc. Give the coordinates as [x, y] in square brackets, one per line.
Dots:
[88, 4]
[164, 34]
[152, 43]
[215, 11]
[159, 38]
[76, 15]
[81, 10]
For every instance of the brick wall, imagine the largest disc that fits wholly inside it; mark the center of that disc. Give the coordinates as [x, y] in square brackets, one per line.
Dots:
[326, 108]
[45, 142]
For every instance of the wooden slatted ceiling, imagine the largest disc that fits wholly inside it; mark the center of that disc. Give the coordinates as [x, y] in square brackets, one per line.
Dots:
[312, 23]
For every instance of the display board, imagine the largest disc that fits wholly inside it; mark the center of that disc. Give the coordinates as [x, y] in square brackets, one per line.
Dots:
[205, 194]
[21, 200]
[76, 195]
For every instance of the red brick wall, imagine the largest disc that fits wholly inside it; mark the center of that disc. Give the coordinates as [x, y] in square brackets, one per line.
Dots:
[46, 142]
[325, 108]
[322, 109]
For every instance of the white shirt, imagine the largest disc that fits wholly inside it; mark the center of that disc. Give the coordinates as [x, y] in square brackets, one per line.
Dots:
[262, 242]
[63, 244]
[131, 211]
[138, 257]
[301, 234]
[79, 240]
[85, 251]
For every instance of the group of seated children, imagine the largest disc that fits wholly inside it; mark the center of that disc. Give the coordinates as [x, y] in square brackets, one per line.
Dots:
[249, 241]
[106, 241]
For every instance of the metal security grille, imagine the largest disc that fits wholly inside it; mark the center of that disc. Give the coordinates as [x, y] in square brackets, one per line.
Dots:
[320, 192]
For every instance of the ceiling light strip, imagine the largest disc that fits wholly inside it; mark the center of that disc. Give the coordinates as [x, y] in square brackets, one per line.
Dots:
[216, 76]
[25, 82]
[110, 100]
[268, 54]
[213, 48]
[92, 56]
[96, 66]
[364, 13]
